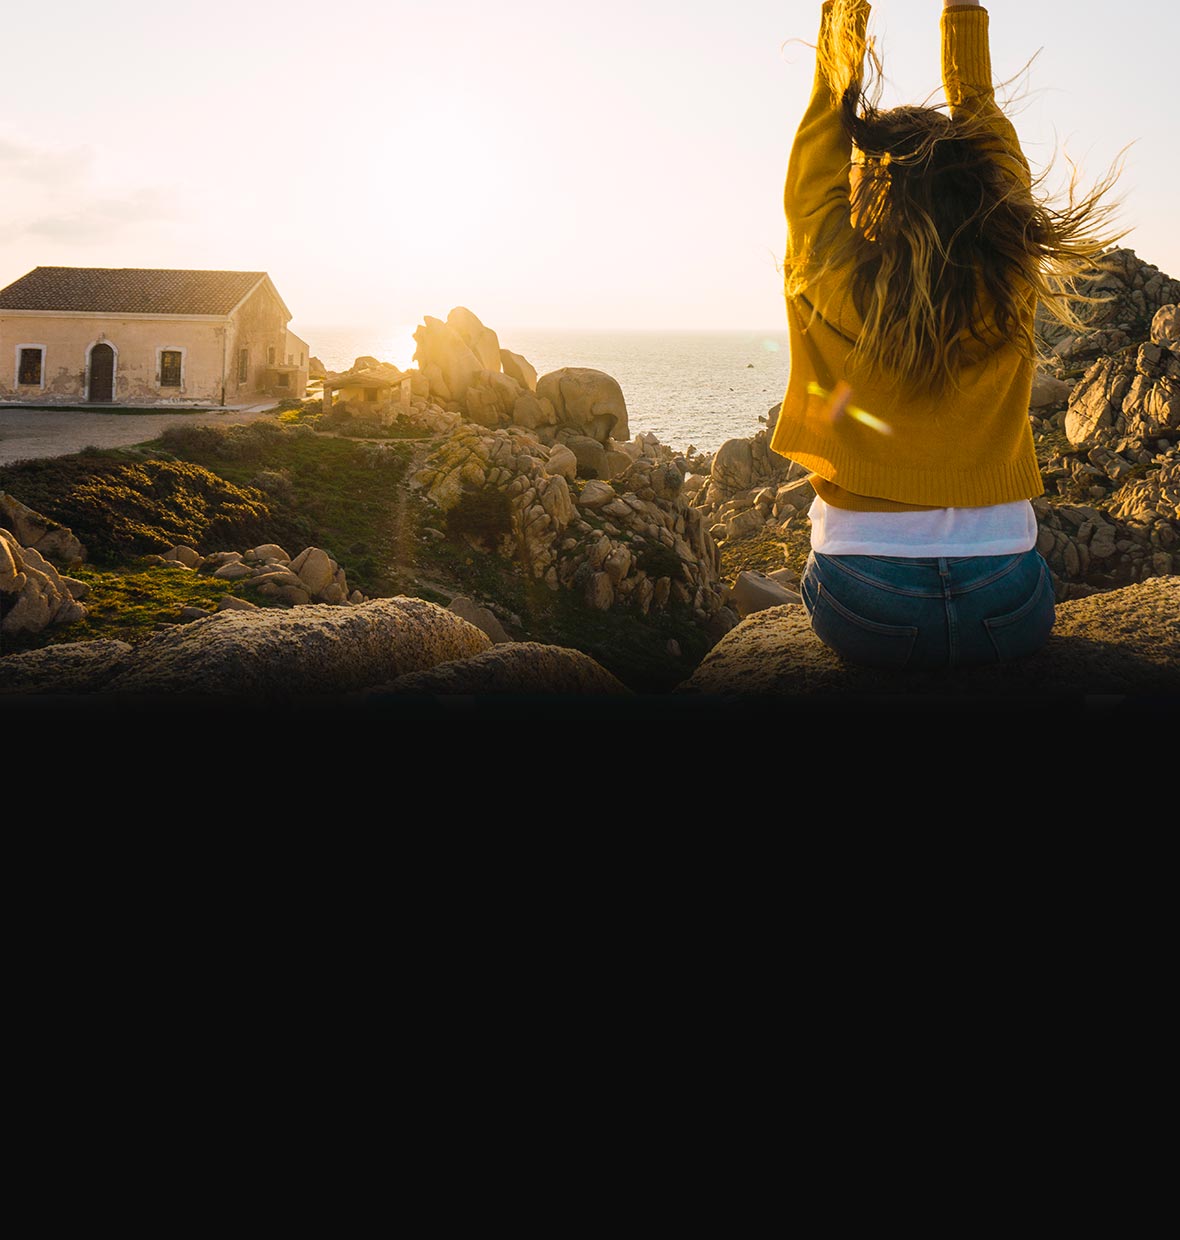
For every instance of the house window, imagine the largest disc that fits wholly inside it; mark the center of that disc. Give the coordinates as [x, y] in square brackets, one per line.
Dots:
[30, 366]
[290, 358]
[270, 356]
[170, 368]
[301, 362]
[370, 393]
[243, 365]
[283, 380]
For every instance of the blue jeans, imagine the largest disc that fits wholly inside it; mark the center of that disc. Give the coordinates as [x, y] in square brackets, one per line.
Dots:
[928, 613]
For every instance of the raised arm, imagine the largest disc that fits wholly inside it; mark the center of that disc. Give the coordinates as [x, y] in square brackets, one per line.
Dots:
[817, 172]
[967, 80]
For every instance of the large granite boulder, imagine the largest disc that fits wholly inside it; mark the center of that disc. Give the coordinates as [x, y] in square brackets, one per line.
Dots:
[483, 618]
[518, 668]
[481, 340]
[269, 654]
[590, 455]
[446, 359]
[65, 669]
[519, 368]
[1048, 391]
[1165, 328]
[587, 401]
[733, 465]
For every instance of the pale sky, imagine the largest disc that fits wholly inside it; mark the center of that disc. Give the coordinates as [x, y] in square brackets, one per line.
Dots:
[611, 163]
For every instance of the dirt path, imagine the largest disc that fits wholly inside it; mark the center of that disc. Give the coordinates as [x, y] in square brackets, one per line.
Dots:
[31, 434]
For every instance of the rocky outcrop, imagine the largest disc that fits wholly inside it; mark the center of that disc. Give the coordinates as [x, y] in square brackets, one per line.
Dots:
[748, 486]
[264, 655]
[492, 398]
[30, 529]
[312, 576]
[632, 542]
[1132, 395]
[463, 370]
[1089, 550]
[33, 594]
[1123, 422]
[1126, 641]
[446, 359]
[1133, 291]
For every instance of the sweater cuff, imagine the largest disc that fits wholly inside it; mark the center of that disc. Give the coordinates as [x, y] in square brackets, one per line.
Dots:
[966, 53]
[860, 14]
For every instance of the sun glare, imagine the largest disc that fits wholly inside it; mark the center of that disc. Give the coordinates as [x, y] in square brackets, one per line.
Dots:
[398, 346]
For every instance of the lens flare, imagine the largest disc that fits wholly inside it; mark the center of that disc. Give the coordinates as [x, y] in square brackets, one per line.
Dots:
[839, 406]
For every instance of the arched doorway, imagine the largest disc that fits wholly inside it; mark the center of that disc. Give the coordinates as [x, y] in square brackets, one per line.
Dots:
[101, 385]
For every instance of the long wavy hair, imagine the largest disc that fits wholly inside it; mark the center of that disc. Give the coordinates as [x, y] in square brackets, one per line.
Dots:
[950, 245]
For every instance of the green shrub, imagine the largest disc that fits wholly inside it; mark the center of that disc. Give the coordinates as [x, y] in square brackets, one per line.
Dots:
[658, 561]
[485, 515]
[121, 509]
[253, 442]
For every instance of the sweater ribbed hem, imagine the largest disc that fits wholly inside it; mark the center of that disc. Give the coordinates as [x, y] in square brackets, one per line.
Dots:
[985, 483]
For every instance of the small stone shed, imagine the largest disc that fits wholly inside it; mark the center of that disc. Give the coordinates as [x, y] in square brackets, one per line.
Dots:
[372, 386]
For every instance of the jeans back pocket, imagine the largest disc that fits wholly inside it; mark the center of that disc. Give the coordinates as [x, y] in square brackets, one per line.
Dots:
[1025, 629]
[856, 638]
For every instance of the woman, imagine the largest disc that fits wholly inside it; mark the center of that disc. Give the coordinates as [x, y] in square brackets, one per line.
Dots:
[917, 252]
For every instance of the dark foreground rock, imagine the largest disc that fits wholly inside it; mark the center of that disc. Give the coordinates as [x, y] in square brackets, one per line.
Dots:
[514, 668]
[1123, 642]
[408, 660]
[264, 655]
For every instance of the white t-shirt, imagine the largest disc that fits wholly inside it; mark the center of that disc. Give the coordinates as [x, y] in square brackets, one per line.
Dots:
[999, 529]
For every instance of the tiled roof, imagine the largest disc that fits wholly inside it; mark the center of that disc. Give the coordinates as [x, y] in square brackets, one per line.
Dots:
[370, 378]
[129, 290]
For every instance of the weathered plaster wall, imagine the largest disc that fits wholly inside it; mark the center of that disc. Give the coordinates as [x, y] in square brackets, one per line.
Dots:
[258, 325]
[300, 354]
[137, 344]
[357, 394]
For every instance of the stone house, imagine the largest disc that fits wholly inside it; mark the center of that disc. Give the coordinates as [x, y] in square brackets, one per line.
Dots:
[134, 336]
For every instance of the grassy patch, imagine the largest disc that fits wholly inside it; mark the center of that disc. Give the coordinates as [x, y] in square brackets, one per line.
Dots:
[341, 495]
[631, 645]
[128, 604]
[766, 551]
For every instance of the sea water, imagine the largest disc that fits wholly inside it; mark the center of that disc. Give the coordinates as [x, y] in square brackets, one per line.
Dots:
[691, 388]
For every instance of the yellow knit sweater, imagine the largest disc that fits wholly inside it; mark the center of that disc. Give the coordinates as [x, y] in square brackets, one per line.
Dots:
[878, 444]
